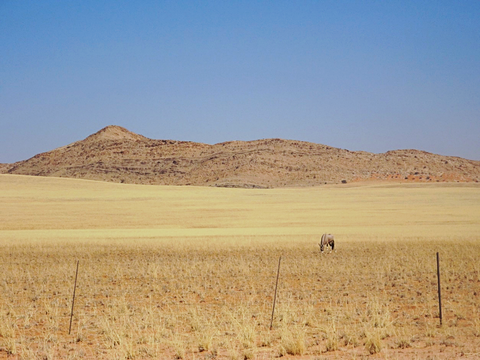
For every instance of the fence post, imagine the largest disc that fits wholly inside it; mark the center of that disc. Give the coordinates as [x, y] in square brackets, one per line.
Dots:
[73, 299]
[439, 289]
[275, 297]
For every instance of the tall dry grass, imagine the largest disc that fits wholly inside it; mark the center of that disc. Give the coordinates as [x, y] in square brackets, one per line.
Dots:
[213, 295]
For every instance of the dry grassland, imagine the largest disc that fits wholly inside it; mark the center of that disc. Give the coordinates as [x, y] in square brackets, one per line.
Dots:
[189, 273]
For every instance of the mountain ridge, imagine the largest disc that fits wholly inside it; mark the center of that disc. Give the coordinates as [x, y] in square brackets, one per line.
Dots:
[119, 155]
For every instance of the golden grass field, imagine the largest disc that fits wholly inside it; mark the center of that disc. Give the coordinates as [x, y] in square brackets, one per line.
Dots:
[189, 272]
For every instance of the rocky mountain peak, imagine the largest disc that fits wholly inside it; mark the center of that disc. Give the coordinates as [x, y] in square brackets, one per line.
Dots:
[115, 132]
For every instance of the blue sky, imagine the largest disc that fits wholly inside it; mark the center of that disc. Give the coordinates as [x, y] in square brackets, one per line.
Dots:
[359, 75]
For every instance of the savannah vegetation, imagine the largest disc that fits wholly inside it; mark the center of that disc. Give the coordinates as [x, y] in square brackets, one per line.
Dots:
[189, 272]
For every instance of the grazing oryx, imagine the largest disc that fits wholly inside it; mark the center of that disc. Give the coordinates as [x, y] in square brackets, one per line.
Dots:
[327, 240]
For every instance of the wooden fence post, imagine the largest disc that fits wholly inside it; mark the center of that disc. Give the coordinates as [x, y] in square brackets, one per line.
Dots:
[73, 299]
[275, 297]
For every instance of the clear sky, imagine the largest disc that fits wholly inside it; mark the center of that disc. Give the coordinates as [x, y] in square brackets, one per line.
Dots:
[359, 75]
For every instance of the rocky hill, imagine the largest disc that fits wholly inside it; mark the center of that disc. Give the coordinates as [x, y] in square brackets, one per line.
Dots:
[118, 155]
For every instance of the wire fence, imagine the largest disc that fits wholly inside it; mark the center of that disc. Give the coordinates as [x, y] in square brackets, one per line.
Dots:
[96, 295]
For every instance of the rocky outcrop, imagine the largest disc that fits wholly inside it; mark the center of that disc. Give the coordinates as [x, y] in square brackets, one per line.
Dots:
[118, 155]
